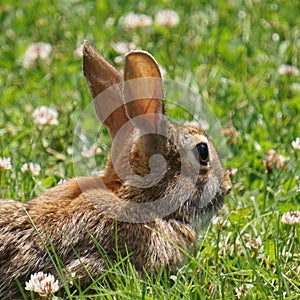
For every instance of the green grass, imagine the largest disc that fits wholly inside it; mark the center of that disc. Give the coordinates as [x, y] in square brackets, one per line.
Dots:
[228, 51]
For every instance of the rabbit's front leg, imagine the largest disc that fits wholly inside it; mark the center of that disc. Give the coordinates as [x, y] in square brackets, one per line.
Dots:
[84, 269]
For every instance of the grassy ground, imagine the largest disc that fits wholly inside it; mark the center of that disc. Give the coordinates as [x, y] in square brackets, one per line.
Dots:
[234, 53]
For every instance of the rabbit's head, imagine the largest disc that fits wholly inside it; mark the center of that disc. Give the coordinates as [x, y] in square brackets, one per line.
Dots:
[156, 167]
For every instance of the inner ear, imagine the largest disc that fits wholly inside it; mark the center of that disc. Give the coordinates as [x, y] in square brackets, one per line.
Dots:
[143, 88]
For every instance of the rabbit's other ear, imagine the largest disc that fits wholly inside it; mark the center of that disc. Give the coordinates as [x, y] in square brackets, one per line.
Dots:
[99, 73]
[105, 85]
[145, 95]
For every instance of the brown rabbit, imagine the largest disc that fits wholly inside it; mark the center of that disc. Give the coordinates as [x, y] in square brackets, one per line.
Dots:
[162, 182]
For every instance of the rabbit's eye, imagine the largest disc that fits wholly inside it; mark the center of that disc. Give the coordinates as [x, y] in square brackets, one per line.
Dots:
[202, 153]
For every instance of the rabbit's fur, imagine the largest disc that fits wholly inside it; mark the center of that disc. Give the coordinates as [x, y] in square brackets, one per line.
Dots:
[109, 208]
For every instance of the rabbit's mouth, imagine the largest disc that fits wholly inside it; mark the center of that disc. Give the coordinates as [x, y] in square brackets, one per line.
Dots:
[196, 211]
[199, 215]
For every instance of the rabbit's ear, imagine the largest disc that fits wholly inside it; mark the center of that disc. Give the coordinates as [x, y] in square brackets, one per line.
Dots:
[105, 85]
[144, 95]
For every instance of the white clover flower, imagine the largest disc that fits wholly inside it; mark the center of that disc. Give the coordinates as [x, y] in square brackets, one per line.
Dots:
[167, 18]
[5, 163]
[296, 143]
[70, 150]
[291, 218]
[43, 284]
[133, 21]
[220, 223]
[123, 47]
[275, 37]
[45, 115]
[255, 244]
[237, 249]
[242, 14]
[118, 59]
[243, 290]
[232, 171]
[109, 22]
[33, 168]
[274, 159]
[232, 133]
[247, 242]
[288, 70]
[36, 51]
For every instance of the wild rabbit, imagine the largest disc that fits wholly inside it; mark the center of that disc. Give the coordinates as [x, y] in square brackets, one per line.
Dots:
[162, 182]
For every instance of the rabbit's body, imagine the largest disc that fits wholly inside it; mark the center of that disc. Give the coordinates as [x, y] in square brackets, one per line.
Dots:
[65, 221]
[153, 220]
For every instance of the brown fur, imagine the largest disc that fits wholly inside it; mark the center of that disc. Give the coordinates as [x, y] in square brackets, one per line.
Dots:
[68, 217]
